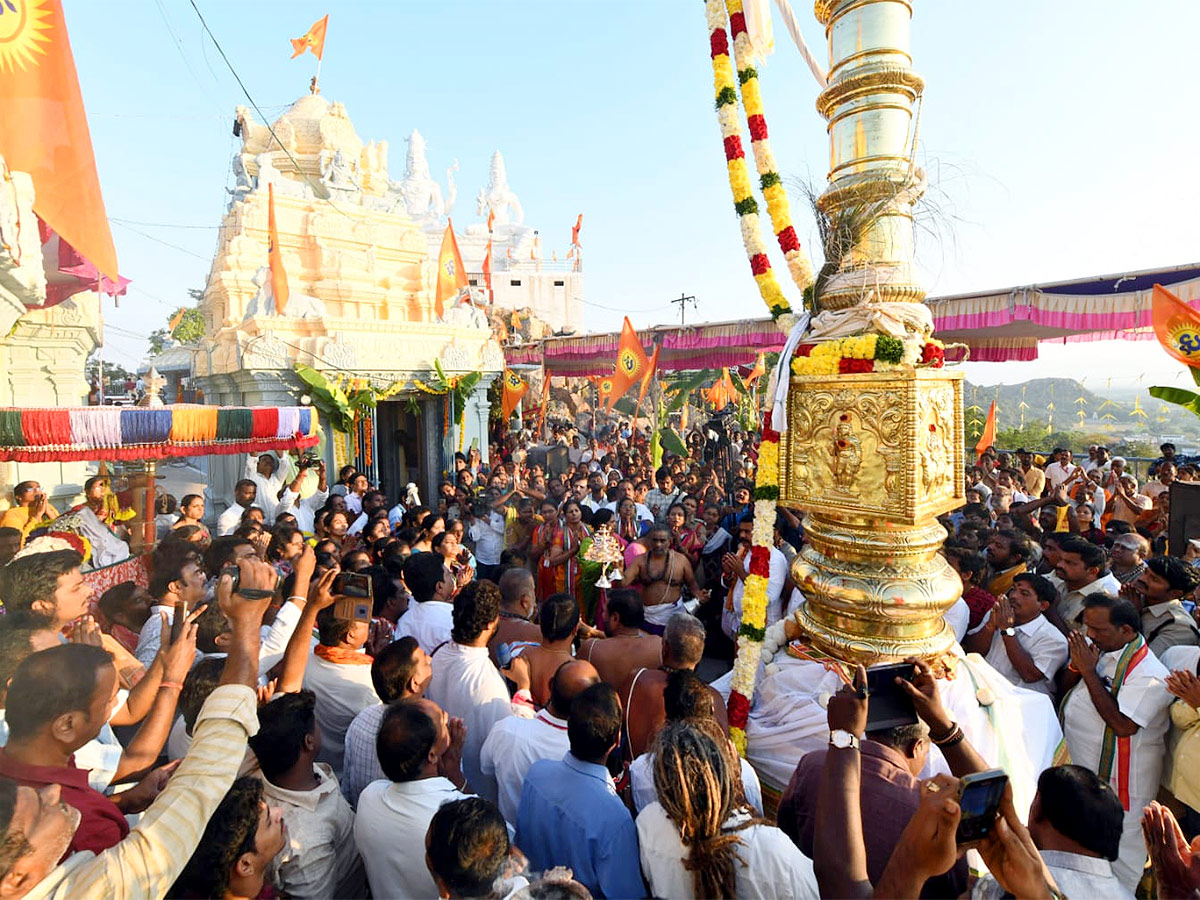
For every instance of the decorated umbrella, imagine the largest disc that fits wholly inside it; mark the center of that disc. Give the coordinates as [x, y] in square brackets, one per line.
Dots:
[151, 433]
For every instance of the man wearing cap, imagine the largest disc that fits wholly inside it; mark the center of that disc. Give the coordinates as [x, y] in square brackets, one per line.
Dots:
[1156, 592]
[1035, 478]
[1061, 469]
[1128, 557]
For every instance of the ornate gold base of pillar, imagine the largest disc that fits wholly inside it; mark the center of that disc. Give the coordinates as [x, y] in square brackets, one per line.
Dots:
[876, 592]
[873, 459]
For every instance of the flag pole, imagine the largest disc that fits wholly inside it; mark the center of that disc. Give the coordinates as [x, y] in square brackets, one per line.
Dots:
[316, 82]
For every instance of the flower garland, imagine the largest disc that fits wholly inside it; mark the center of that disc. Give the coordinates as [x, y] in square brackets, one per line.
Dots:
[867, 353]
[773, 190]
[754, 597]
[739, 175]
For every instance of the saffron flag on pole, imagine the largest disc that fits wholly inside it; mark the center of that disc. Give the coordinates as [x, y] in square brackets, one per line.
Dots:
[175, 319]
[44, 131]
[514, 389]
[649, 374]
[1177, 326]
[314, 39]
[487, 270]
[631, 366]
[279, 283]
[988, 438]
[452, 277]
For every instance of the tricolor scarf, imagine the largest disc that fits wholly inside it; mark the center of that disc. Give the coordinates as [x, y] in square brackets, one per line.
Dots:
[1117, 750]
[342, 656]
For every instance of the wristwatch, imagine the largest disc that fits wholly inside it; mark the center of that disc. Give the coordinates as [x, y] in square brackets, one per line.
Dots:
[1009, 632]
[843, 740]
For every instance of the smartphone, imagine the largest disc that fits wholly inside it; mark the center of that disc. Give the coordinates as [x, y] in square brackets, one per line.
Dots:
[979, 797]
[889, 706]
[352, 609]
[353, 584]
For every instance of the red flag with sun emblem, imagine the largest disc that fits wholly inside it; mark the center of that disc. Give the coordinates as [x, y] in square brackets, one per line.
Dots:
[1177, 326]
[632, 364]
[514, 389]
[44, 131]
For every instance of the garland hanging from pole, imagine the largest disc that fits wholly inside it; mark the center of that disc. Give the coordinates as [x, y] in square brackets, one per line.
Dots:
[725, 81]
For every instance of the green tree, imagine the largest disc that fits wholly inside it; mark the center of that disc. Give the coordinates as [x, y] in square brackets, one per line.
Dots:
[190, 329]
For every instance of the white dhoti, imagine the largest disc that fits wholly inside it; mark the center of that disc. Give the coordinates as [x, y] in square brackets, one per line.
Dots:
[659, 614]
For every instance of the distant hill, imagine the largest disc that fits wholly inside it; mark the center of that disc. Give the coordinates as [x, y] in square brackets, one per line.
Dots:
[1060, 400]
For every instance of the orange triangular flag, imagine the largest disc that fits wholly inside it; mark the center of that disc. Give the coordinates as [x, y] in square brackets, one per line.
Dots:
[487, 270]
[44, 131]
[650, 370]
[1177, 326]
[175, 320]
[514, 389]
[575, 231]
[988, 438]
[605, 388]
[491, 219]
[314, 39]
[279, 283]
[452, 277]
[631, 366]
[722, 391]
[759, 370]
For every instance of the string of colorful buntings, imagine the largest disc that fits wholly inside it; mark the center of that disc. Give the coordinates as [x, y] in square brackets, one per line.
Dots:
[112, 432]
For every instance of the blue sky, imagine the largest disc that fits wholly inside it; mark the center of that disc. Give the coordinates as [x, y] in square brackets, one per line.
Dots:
[1060, 138]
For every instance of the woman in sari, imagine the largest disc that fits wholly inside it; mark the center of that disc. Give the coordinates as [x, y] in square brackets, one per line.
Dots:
[683, 539]
[539, 547]
[562, 557]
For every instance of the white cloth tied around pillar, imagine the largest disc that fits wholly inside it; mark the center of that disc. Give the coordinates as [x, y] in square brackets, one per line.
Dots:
[777, 387]
[900, 320]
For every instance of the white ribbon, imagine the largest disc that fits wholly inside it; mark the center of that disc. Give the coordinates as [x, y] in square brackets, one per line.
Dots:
[778, 385]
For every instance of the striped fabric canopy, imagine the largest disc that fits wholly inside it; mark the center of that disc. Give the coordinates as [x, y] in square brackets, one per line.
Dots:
[130, 433]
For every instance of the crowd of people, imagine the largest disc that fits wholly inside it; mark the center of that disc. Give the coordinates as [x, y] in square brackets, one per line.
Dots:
[327, 691]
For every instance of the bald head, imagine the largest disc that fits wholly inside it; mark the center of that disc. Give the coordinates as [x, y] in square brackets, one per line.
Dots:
[517, 591]
[569, 680]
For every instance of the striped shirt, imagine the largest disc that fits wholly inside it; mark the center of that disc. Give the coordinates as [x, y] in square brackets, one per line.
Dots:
[146, 863]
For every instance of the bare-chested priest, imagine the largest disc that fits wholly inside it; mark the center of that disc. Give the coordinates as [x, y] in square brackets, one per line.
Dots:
[642, 693]
[534, 667]
[627, 646]
[659, 575]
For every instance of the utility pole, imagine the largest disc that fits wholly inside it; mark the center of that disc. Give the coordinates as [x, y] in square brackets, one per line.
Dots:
[683, 301]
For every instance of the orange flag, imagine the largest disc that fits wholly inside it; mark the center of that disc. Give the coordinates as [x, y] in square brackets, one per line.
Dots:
[514, 389]
[988, 438]
[1177, 326]
[452, 277]
[631, 366]
[759, 370]
[44, 131]
[279, 284]
[175, 319]
[649, 375]
[314, 39]
[487, 270]
[605, 387]
[722, 391]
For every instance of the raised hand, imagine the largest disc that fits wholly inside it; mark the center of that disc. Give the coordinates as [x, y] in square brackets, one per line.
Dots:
[847, 710]
[1184, 684]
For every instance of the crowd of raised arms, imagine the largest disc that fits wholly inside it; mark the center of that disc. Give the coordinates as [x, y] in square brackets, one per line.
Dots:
[331, 691]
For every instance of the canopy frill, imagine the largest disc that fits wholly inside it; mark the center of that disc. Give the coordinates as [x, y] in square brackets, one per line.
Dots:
[143, 433]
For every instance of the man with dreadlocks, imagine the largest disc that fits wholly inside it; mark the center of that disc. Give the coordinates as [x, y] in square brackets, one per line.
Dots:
[699, 840]
[1156, 593]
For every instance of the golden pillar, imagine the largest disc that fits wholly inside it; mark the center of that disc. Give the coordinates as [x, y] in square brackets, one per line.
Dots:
[873, 457]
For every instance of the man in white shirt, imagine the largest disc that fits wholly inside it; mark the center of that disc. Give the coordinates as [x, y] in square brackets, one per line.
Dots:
[1017, 640]
[429, 617]
[269, 476]
[625, 489]
[354, 496]
[736, 569]
[1115, 716]
[304, 508]
[339, 673]
[1075, 823]
[171, 584]
[516, 743]
[420, 749]
[244, 494]
[1061, 469]
[466, 684]
[596, 497]
[487, 531]
[1082, 570]
[319, 858]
